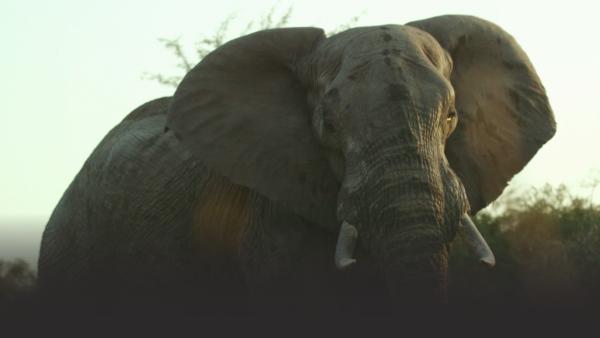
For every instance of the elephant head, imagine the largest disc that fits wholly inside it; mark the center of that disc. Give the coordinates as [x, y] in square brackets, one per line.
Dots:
[396, 132]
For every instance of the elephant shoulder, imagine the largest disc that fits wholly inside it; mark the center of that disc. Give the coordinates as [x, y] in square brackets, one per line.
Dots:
[139, 138]
[135, 166]
[150, 108]
[135, 149]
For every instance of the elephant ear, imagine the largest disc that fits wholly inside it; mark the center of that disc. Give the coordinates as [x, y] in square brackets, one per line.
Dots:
[503, 112]
[243, 112]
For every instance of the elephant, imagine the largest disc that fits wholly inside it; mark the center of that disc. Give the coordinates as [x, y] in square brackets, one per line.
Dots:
[295, 171]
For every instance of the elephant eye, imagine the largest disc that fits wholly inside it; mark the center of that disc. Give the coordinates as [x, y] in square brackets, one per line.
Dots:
[451, 116]
[450, 122]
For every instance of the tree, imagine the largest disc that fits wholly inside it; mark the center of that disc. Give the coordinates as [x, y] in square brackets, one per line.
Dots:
[207, 44]
[16, 279]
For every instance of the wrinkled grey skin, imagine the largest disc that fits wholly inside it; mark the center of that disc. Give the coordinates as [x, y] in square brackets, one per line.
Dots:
[229, 195]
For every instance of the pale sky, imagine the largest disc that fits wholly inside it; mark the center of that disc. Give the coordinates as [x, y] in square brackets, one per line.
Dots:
[70, 70]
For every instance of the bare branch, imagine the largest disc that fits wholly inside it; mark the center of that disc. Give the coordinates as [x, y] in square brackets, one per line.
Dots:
[249, 26]
[207, 44]
[285, 18]
[267, 20]
[175, 46]
[351, 23]
[219, 37]
[171, 81]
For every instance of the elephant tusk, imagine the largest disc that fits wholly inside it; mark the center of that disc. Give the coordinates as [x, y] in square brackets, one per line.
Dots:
[476, 242]
[344, 249]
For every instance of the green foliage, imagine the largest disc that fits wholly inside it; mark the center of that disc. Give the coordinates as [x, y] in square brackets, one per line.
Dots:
[547, 247]
[16, 279]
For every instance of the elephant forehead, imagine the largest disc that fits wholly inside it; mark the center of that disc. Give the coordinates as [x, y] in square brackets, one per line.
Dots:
[389, 41]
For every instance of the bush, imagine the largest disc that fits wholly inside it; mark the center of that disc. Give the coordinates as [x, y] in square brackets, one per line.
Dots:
[16, 279]
[547, 247]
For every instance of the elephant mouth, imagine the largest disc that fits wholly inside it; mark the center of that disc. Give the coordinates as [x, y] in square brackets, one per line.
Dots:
[348, 236]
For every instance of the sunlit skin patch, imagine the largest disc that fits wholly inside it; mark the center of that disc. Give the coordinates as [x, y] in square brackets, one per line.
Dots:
[221, 215]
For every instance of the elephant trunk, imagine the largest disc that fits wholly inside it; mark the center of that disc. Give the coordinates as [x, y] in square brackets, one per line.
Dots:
[399, 203]
[410, 248]
[414, 266]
